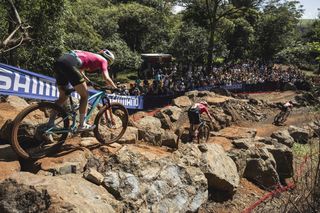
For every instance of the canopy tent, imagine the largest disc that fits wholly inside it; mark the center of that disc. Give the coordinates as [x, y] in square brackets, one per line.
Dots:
[153, 60]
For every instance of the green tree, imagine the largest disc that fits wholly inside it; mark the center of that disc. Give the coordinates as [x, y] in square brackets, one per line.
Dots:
[276, 28]
[190, 44]
[208, 14]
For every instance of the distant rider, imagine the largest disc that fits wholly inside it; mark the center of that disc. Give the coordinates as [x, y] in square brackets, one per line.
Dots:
[287, 106]
[194, 113]
[71, 68]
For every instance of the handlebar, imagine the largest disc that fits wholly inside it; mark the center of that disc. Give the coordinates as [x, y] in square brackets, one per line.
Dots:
[101, 87]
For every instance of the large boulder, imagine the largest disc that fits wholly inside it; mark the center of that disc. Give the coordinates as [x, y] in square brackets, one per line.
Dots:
[174, 112]
[64, 162]
[261, 168]
[169, 139]
[182, 101]
[265, 140]
[149, 123]
[262, 173]
[136, 176]
[9, 162]
[26, 192]
[192, 94]
[217, 99]
[222, 120]
[239, 156]
[283, 157]
[130, 136]
[152, 136]
[299, 135]
[149, 130]
[219, 169]
[17, 102]
[165, 120]
[284, 137]
[243, 143]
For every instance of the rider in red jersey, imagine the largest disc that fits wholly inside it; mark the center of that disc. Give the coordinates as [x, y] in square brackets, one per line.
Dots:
[194, 116]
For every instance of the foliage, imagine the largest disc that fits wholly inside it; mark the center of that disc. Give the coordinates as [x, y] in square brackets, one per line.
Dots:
[276, 28]
[205, 32]
[190, 43]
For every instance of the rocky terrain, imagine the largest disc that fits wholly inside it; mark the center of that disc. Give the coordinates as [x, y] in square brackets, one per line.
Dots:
[155, 168]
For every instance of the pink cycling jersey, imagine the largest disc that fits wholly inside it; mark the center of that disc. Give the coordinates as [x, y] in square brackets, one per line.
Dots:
[202, 108]
[92, 62]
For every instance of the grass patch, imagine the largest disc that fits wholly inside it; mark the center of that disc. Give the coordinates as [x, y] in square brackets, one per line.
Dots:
[301, 150]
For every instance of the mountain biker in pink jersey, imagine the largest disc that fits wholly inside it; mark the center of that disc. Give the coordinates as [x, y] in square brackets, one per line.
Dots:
[71, 68]
[287, 106]
[194, 116]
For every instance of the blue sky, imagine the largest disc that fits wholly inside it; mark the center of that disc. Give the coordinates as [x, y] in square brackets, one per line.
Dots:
[311, 8]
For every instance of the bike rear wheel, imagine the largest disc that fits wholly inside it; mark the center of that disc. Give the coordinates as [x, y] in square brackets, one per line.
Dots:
[203, 133]
[278, 118]
[284, 116]
[107, 132]
[31, 136]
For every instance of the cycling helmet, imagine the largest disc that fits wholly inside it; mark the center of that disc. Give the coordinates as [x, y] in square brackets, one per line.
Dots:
[107, 54]
[204, 103]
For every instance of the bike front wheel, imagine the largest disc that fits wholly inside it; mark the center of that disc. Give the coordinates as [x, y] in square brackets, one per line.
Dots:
[203, 133]
[33, 136]
[111, 123]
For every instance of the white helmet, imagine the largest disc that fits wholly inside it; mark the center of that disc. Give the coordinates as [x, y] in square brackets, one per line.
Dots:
[108, 55]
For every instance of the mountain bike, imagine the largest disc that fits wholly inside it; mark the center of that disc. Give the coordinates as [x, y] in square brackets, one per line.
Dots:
[281, 117]
[203, 131]
[33, 136]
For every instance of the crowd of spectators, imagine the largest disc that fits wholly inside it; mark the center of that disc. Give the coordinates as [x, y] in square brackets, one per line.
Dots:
[171, 80]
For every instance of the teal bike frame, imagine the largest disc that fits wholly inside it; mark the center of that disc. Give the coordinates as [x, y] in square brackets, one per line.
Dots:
[95, 99]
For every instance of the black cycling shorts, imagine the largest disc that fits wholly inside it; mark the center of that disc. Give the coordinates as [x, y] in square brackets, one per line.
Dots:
[194, 115]
[65, 73]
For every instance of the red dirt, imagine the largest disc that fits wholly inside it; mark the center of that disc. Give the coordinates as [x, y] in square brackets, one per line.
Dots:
[224, 142]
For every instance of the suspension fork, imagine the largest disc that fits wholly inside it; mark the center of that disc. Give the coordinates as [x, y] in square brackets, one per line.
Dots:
[106, 102]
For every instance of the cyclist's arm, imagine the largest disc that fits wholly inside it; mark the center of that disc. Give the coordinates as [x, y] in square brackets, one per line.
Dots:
[208, 113]
[84, 76]
[108, 80]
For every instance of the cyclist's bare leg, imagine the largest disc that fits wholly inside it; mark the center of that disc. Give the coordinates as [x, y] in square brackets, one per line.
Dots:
[61, 100]
[62, 96]
[195, 130]
[82, 90]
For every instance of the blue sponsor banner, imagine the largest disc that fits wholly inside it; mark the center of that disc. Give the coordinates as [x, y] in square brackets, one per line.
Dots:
[232, 87]
[23, 83]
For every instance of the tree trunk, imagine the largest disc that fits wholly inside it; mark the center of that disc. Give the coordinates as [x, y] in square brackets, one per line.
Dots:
[11, 28]
[210, 51]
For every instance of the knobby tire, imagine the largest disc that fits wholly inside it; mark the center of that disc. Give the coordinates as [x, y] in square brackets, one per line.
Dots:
[121, 113]
[17, 142]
